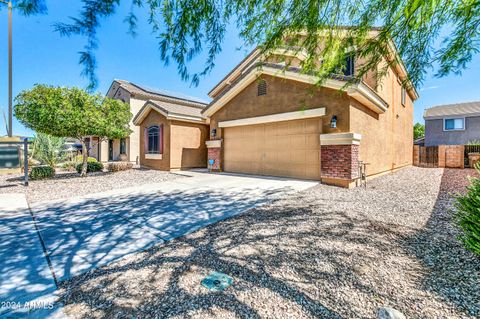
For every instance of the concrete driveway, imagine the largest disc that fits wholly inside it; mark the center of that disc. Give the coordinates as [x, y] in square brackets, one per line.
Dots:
[84, 233]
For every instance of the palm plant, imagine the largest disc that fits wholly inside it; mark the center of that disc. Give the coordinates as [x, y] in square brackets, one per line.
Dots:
[49, 150]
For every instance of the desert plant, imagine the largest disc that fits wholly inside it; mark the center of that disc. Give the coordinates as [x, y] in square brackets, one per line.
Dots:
[69, 166]
[474, 142]
[48, 149]
[41, 172]
[79, 159]
[119, 166]
[468, 215]
[91, 167]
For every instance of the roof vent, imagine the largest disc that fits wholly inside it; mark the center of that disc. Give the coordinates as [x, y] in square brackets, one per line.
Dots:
[262, 88]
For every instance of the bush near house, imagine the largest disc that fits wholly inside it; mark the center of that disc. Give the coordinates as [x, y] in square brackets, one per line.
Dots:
[468, 216]
[41, 172]
[119, 166]
[70, 166]
[79, 159]
[91, 167]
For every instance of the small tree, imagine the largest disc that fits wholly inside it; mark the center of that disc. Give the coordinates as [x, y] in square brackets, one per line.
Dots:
[72, 112]
[418, 131]
[468, 216]
[48, 149]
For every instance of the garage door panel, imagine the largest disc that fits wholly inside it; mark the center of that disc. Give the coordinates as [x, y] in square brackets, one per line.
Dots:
[312, 141]
[313, 125]
[297, 142]
[289, 148]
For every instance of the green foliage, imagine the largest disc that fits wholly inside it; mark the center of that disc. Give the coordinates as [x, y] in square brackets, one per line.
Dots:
[426, 32]
[41, 172]
[72, 112]
[474, 143]
[468, 216]
[48, 149]
[79, 159]
[119, 166]
[418, 131]
[70, 166]
[91, 167]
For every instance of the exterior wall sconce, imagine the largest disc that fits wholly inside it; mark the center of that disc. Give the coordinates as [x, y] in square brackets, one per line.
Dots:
[333, 122]
[214, 132]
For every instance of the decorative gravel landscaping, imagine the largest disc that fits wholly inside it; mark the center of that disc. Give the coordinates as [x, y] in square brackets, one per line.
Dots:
[327, 252]
[68, 184]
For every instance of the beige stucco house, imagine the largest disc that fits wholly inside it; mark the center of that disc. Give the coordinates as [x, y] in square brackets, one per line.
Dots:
[166, 114]
[269, 119]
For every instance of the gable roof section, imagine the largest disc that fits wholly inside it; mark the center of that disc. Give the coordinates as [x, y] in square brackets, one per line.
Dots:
[358, 90]
[157, 94]
[171, 111]
[458, 109]
[255, 55]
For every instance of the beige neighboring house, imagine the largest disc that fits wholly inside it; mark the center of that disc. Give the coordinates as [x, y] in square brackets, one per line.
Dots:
[168, 129]
[271, 120]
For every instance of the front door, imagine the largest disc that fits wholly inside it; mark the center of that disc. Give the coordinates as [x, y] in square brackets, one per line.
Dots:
[110, 150]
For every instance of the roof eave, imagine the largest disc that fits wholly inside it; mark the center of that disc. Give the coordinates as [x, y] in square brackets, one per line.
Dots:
[358, 91]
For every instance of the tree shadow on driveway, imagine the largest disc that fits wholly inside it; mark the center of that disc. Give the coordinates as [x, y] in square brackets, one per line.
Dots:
[84, 234]
[325, 253]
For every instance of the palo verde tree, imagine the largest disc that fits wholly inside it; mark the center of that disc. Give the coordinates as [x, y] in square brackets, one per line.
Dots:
[72, 112]
[444, 34]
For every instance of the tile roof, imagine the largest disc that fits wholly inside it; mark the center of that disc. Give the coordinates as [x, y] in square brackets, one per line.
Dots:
[453, 109]
[178, 109]
[156, 94]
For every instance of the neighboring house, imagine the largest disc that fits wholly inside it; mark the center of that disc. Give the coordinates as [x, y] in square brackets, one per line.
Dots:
[452, 124]
[147, 105]
[270, 120]
[173, 134]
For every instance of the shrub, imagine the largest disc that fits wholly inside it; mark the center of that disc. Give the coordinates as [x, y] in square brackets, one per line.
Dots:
[48, 149]
[119, 166]
[69, 166]
[41, 172]
[468, 216]
[91, 167]
[79, 159]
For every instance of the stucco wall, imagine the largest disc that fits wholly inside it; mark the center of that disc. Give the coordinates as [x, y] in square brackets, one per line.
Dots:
[387, 139]
[285, 96]
[435, 135]
[187, 145]
[154, 118]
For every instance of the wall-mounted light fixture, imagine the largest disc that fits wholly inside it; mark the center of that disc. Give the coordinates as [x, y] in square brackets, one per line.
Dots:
[213, 132]
[333, 122]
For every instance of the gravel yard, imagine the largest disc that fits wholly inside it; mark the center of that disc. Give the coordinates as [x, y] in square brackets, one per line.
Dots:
[67, 184]
[327, 252]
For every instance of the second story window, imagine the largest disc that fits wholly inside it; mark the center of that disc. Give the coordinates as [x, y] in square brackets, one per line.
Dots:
[404, 95]
[457, 124]
[349, 65]
[262, 88]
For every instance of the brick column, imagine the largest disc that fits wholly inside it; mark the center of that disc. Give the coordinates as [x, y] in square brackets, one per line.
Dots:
[340, 158]
[214, 160]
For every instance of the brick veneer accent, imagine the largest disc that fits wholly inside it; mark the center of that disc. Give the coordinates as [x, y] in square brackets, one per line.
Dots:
[215, 153]
[340, 161]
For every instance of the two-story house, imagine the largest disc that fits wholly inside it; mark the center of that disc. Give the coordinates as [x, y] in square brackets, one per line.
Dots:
[452, 124]
[269, 119]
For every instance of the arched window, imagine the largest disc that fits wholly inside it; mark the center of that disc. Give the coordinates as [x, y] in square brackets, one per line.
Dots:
[262, 88]
[153, 139]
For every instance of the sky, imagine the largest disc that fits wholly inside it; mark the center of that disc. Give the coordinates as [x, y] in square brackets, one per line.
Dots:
[40, 55]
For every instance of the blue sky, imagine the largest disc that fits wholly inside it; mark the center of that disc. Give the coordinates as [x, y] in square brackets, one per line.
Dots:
[42, 56]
